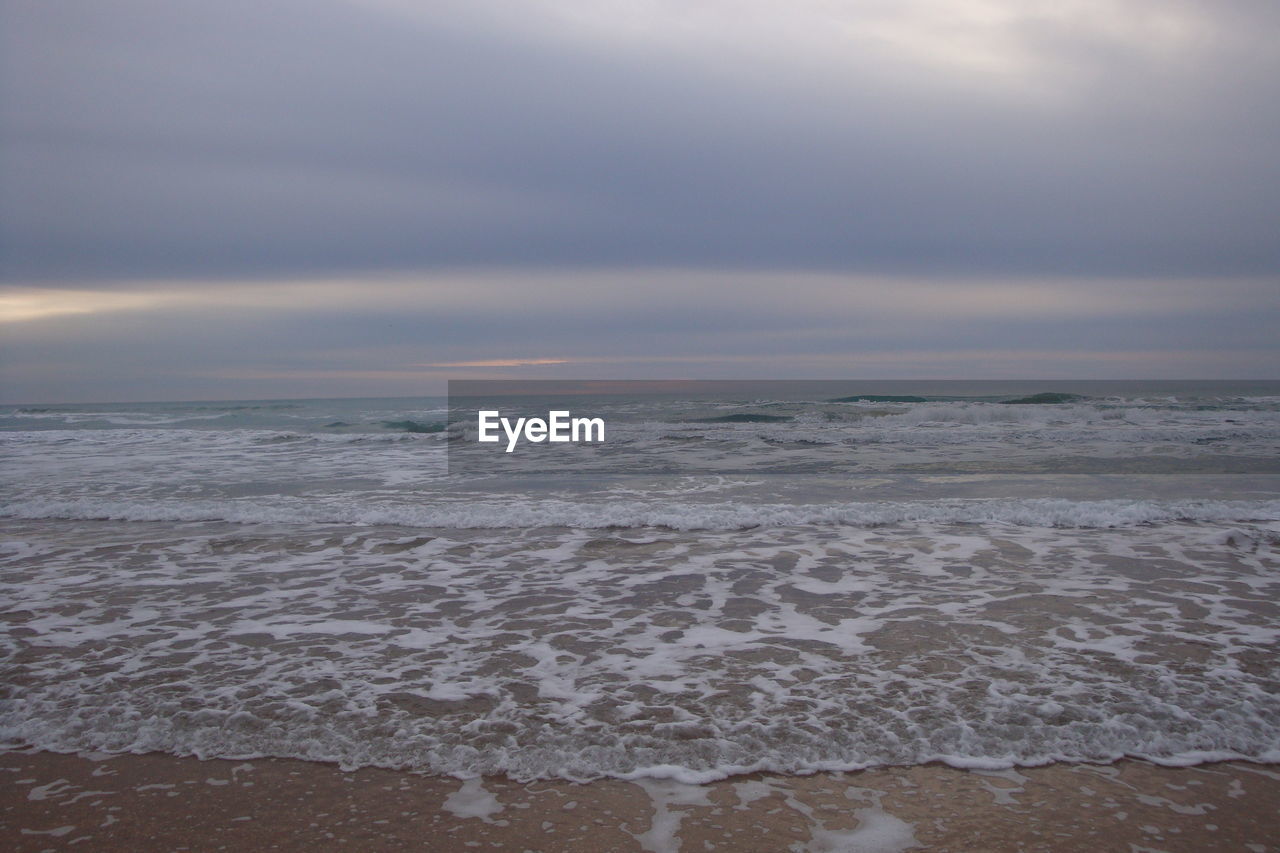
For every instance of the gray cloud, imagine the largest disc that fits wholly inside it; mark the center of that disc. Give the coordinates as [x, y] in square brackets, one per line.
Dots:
[235, 199]
[331, 338]
[187, 140]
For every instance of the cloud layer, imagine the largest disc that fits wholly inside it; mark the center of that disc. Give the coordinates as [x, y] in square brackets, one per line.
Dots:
[401, 335]
[619, 182]
[163, 139]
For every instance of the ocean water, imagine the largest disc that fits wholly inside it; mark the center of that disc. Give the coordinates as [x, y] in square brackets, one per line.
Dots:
[735, 581]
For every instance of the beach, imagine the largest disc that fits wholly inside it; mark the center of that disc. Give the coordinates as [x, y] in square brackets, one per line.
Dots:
[158, 802]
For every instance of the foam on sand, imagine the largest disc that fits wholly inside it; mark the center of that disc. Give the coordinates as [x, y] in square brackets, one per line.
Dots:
[581, 654]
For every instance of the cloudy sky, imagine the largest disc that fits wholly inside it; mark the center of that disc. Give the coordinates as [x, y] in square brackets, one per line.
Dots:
[235, 199]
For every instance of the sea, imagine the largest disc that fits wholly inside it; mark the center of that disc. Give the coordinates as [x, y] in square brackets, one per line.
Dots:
[742, 577]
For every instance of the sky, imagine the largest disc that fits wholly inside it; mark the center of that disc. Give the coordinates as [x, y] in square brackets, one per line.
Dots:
[236, 200]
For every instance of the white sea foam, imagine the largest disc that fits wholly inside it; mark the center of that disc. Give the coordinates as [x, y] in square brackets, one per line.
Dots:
[554, 652]
[533, 512]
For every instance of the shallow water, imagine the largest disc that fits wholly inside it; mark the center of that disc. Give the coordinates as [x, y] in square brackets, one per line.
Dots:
[555, 652]
[307, 579]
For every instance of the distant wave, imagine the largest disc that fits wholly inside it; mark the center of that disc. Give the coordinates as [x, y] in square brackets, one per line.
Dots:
[1036, 512]
[1047, 397]
[743, 418]
[415, 426]
[879, 398]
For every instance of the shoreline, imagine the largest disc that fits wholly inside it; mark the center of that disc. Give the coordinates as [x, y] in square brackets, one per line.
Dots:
[89, 801]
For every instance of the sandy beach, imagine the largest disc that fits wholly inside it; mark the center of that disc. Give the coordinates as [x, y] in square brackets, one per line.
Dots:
[160, 802]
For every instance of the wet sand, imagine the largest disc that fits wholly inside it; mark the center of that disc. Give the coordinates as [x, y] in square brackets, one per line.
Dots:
[160, 802]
